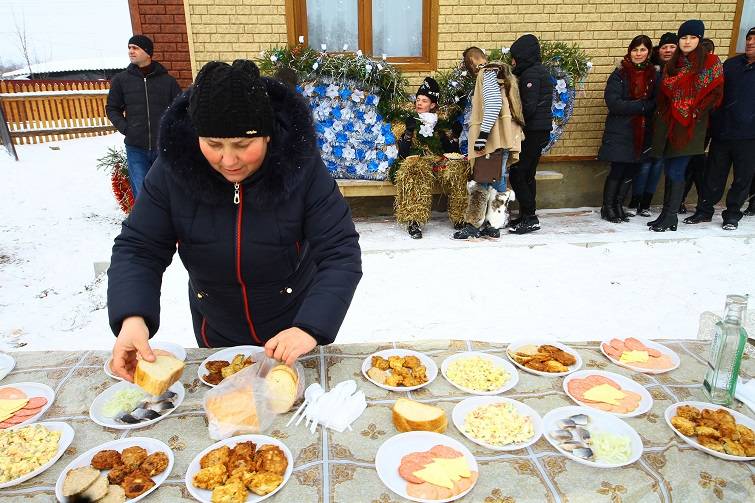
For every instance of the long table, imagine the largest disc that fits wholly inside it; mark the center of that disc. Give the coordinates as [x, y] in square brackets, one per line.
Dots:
[339, 467]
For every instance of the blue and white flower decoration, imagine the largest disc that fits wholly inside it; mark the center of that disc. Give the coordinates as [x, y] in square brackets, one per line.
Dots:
[354, 139]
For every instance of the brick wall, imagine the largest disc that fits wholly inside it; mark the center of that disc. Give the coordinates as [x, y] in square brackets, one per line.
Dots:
[165, 23]
[229, 29]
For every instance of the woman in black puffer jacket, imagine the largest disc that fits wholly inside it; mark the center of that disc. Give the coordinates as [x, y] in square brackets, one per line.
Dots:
[240, 190]
[630, 97]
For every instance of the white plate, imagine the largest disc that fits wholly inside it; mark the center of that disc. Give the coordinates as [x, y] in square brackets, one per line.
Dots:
[95, 410]
[653, 345]
[171, 347]
[33, 389]
[7, 363]
[738, 417]
[599, 421]
[466, 406]
[226, 354]
[497, 361]
[645, 404]
[66, 437]
[389, 456]
[432, 368]
[151, 445]
[539, 342]
[204, 495]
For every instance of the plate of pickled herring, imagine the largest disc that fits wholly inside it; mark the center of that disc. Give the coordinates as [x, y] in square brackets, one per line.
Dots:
[591, 437]
[479, 373]
[641, 355]
[717, 430]
[497, 423]
[608, 392]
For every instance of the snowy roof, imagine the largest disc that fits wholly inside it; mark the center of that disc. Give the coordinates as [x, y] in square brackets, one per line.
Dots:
[72, 65]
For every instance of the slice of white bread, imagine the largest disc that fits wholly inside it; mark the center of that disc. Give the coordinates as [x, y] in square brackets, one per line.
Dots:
[409, 415]
[235, 408]
[156, 377]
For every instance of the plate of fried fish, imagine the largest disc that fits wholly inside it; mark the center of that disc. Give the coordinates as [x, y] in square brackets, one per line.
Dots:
[399, 369]
[240, 469]
[225, 363]
[544, 357]
[124, 470]
[717, 430]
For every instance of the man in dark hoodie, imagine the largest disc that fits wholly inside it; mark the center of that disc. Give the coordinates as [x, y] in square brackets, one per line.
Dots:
[536, 90]
[137, 99]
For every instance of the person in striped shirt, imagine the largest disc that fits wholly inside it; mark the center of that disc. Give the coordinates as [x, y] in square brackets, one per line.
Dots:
[495, 135]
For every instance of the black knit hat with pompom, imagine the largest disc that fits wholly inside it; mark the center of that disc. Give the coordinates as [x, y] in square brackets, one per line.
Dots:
[231, 101]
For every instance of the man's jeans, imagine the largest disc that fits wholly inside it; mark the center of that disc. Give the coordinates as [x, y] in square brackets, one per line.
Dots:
[139, 161]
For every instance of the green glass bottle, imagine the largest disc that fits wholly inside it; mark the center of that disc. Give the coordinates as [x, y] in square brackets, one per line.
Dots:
[726, 350]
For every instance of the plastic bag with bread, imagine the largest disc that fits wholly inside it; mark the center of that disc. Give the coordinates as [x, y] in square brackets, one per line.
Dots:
[249, 400]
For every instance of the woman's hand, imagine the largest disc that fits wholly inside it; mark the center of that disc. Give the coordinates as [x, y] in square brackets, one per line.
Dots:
[289, 345]
[132, 344]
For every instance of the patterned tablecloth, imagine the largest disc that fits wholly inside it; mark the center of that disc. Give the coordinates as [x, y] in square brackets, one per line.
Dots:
[338, 467]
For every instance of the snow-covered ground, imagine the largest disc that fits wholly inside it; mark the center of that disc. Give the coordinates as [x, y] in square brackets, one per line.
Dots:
[578, 278]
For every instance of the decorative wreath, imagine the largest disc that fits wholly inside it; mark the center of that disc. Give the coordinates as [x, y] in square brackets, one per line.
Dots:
[114, 162]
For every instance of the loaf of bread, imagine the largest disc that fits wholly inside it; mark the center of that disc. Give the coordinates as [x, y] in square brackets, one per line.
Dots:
[156, 377]
[235, 408]
[282, 382]
[409, 415]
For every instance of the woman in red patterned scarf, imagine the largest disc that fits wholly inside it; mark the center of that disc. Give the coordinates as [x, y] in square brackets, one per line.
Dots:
[692, 85]
[630, 97]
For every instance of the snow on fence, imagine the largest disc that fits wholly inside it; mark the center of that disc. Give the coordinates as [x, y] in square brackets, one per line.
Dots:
[40, 111]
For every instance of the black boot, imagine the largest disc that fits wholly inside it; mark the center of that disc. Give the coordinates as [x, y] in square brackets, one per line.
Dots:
[634, 203]
[468, 232]
[608, 210]
[619, 202]
[666, 190]
[489, 232]
[643, 209]
[750, 211]
[669, 222]
[414, 230]
[697, 218]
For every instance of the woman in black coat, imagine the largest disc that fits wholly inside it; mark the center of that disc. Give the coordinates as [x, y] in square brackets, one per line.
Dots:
[630, 97]
[240, 190]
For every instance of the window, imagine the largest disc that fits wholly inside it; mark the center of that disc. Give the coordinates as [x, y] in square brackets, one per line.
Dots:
[405, 31]
[743, 21]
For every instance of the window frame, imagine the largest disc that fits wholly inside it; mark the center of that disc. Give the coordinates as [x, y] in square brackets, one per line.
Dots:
[296, 24]
[735, 28]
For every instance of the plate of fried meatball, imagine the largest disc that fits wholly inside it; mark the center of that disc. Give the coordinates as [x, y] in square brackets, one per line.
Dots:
[118, 471]
[240, 469]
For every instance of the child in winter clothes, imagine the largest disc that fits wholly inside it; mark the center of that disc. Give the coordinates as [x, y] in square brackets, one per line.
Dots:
[421, 143]
[536, 89]
[494, 126]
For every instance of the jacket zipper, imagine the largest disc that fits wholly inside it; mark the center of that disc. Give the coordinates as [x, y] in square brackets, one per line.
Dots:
[239, 201]
[149, 123]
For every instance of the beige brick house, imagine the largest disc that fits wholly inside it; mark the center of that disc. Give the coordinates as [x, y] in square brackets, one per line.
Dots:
[229, 29]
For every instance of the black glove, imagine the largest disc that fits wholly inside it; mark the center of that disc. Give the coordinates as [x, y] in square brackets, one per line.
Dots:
[411, 124]
[481, 141]
[456, 129]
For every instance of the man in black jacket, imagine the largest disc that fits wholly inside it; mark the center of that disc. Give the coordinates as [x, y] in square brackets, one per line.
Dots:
[143, 91]
[536, 90]
[732, 128]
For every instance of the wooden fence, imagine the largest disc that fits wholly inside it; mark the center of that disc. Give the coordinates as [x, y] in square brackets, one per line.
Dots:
[40, 111]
